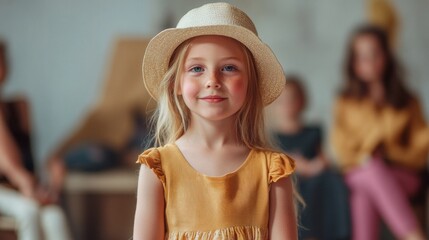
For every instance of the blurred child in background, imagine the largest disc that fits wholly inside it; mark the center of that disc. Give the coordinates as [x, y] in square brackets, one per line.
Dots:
[380, 137]
[21, 196]
[326, 214]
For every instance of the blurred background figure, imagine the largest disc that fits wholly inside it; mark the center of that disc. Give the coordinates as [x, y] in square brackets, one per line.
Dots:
[381, 138]
[34, 206]
[326, 214]
[114, 130]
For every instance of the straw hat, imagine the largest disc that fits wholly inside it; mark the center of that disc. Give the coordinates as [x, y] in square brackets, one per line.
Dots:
[213, 19]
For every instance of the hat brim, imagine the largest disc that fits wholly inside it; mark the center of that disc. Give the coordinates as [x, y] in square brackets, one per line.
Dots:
[162, 46]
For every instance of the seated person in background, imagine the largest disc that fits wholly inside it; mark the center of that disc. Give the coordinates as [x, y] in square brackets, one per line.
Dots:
[21, 196]
[326, 215]
[381, 138]
[114, 130]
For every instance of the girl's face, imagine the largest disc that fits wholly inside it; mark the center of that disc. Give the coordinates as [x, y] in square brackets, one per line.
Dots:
[369, 61]
[289, 104]
[214, 77]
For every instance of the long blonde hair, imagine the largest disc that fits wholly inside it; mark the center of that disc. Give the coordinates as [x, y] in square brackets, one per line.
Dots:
[172, 117]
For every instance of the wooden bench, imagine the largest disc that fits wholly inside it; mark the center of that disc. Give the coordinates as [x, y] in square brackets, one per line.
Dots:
[101, 205]
[7, 223]
[119, 180]
[8, 228]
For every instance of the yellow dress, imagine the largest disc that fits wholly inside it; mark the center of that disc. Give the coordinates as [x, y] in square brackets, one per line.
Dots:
[234, 206]
[360, 127]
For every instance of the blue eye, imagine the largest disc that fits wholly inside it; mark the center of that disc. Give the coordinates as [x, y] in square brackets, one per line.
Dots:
[197, 69]
[229, 68]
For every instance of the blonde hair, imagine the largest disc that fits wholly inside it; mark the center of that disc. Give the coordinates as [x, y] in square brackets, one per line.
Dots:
[172, 117]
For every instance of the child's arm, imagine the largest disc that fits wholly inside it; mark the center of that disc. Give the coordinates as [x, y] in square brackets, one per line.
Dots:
[149, 216]
[283, 224]
[10, 162]
[50, 193]
[310, 167]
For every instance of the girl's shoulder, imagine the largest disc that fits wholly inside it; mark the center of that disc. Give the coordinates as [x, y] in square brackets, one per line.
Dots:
[414, 103]
[279, 165]
[348, 100]
[152, 158]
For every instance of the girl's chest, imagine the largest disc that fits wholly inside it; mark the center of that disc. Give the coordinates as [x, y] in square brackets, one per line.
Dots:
[215, 163]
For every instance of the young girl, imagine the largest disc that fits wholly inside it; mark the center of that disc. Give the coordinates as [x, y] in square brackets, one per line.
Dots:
[212, 175]
[35, 208]
[326, 214]
[381, 138]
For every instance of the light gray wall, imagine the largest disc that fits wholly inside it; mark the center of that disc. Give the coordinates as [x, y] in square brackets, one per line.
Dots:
[59, 49]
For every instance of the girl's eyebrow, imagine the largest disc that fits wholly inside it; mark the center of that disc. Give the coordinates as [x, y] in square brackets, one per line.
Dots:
[222, 59]
[231, 58]
[195, 59]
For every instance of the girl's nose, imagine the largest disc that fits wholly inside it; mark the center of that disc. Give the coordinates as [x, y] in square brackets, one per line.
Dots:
[213, 82]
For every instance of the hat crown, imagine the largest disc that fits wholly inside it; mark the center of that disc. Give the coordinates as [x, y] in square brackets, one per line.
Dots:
[216, 14]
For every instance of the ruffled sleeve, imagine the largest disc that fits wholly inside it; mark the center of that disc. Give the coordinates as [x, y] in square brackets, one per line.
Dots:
[152, 159]
[280, 166]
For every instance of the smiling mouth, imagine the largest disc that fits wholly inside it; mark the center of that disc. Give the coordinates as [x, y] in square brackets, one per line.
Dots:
[213, 99]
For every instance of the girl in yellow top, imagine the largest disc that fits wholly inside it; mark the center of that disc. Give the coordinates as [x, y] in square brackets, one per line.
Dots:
[380, 137]
[212, 175]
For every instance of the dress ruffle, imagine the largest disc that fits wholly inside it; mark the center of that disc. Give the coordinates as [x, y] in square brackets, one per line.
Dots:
[152, 159]
[232, 233]
[280, 166]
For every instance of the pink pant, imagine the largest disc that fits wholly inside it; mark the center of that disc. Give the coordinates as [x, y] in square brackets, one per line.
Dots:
[378, 190]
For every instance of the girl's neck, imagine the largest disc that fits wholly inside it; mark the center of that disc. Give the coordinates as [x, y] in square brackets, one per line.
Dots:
[210, 134]
[376, 92]
[290, 126]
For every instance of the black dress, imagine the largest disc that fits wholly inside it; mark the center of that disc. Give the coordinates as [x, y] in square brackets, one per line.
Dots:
[20, 136]
[326, 215]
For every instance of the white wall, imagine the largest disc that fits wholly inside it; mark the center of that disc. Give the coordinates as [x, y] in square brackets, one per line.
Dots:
[59, 52]
[59, 49]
